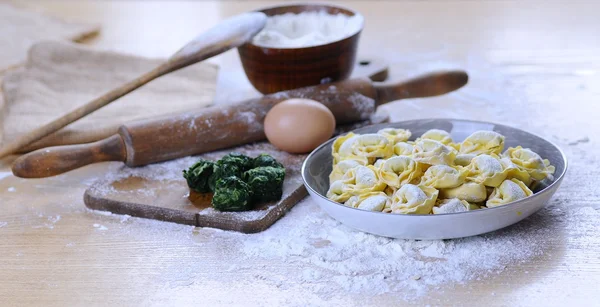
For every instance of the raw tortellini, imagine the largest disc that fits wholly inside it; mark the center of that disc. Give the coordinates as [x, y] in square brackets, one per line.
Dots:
[356, 181]
[342, 149]
[443, 177]
[400, 170]
[373, 201]
[528, 161]
[438, 135]
[470, 191]
[342, 167]
[509, 191]
[412, 199]
[513, 171]
[433, 152]
[464, 159]
[362, 179]
[487, 170]
[452, 205]
[364, 148]
[395, 135]
[483, 142]
[338, 192]
[387, 172]
[403, 149]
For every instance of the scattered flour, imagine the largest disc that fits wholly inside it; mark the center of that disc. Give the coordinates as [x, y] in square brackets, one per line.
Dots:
[339, 258]
[100, 227]
[49, 223]
[2, 224]
[5, 174]
[365, 105]
[306, 29]
[121, 217]
[124, 218]
[100, 212]
[327, 258]
[11, 189]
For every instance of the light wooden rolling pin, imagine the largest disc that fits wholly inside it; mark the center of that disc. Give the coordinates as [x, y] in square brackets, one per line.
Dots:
[160, 139]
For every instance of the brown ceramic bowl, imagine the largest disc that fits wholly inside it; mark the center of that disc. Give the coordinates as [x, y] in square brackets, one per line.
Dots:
[272, 70]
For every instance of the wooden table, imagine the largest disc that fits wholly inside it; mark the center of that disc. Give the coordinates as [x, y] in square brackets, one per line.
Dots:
[533, 65]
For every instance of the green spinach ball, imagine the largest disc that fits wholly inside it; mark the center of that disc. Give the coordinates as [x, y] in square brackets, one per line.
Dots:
[232, 194]
[198, 174]
[232, 164]
[266, 182]
[242, 161]
[265, 160]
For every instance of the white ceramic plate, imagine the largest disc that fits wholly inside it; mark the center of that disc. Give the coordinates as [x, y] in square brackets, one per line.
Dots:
[317, 166]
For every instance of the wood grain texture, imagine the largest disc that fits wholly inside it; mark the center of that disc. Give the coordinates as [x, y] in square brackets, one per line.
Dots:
[538, 72]
[273, 70]
[61, 159]
[434, 84]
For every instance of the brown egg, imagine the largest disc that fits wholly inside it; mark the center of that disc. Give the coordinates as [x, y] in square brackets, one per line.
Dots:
[299, 125]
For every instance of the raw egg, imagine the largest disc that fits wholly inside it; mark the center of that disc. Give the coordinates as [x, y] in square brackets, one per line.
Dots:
[299, 125]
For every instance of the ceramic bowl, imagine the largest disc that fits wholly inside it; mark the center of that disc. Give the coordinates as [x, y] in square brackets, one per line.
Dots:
[317, 166]
[272, 70]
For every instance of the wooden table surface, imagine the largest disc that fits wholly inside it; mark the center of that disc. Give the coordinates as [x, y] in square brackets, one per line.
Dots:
[533, 65]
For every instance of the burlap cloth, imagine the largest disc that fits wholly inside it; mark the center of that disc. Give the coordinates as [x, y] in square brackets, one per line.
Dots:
[20, 28]
[60, 76]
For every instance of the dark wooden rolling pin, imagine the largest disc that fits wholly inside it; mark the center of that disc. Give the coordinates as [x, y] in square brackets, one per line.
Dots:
[159, 139]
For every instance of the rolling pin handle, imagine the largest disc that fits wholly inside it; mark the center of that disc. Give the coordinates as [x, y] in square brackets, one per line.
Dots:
[56, 160]
[429, 85]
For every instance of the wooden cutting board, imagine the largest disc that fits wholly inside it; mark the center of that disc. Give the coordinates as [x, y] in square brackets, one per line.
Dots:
[160, 192]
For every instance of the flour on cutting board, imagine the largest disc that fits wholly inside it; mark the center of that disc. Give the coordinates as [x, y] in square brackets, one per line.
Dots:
[172, 170]
[171, 173]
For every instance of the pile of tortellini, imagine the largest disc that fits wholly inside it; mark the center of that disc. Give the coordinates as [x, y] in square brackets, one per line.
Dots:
[386, 172]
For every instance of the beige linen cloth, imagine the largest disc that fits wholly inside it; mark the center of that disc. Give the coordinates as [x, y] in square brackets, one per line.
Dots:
[60, 76]
[20, 28]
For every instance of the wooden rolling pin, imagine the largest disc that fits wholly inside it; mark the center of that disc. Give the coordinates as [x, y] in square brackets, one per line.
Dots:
[159, 139]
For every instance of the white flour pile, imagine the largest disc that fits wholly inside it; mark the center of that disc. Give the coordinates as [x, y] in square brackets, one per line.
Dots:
[306, 29]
